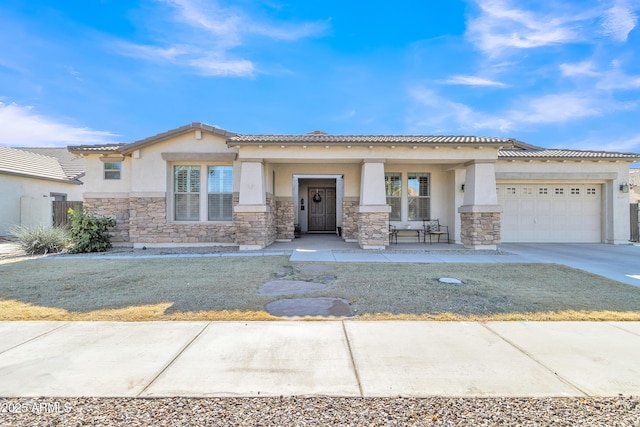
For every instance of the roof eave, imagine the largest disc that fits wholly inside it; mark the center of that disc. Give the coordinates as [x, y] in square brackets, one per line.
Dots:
[43, 178]
[497, 145]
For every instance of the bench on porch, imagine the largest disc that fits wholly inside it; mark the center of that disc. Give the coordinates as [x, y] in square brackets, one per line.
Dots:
[394, 231]
[432, 227]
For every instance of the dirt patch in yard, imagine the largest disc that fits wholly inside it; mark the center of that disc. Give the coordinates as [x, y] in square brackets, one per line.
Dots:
[227, 288]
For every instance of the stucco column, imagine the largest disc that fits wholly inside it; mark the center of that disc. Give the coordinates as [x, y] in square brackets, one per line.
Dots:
[480, 212]
[373, 211]
[252, 219]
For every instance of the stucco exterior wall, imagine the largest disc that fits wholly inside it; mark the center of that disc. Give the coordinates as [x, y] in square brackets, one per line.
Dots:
[284, 176]
[13, 188]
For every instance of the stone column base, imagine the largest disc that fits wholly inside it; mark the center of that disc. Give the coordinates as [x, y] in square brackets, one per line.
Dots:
[480, 229]
[373, 226]
[252, 227]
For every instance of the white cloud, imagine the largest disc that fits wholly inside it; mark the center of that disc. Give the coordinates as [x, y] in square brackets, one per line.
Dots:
[22, 127]
[557, 108]
[501, 26]
[585, 68]
[437, 112]
[204, 35]
[618, 21]
[473, 81]
[621, 144]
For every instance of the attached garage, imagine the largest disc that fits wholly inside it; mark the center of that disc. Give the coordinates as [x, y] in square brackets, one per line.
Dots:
[551, 213]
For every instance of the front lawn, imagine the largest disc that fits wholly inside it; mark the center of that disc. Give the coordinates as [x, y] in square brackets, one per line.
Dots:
[226, 288]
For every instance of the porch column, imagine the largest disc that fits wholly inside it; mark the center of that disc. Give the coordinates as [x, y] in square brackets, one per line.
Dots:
[373, 211]
[253, 216]
[480, 211]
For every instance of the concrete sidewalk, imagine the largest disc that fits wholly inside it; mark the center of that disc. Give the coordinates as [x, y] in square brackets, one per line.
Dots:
[331, 358]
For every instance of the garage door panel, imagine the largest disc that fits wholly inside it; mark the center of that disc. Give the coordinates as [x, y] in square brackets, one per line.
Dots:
[551, 213]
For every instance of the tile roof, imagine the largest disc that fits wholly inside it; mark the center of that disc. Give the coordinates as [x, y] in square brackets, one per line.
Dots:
[24, 163]
[104, 148]
[318, 137]
[73, 166]
[564, 154]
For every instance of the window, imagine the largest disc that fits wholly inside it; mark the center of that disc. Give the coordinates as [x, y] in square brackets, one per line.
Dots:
[220, 193]
[575, 191]
[559, 191]
[112, 170]
[186, 187]
[200, 197]
[393, 189]
[591, 191]
[543, 190]
[419, 196]
[511, 191]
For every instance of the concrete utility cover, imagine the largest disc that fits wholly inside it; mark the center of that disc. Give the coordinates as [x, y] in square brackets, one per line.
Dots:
[288, 287]
[450, 280]
[323, 306]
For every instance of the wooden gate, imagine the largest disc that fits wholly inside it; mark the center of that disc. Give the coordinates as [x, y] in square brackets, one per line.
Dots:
[60, 215]
[635, 222]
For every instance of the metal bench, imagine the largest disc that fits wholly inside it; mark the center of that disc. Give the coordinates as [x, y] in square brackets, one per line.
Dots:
[432, 227]
[393, 232]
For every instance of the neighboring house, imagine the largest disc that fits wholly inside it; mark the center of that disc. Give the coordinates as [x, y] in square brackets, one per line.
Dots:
[198, 184]
[30, 179]
[634, 186]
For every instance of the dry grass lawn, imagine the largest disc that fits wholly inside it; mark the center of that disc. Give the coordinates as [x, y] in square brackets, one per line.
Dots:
[225, 288]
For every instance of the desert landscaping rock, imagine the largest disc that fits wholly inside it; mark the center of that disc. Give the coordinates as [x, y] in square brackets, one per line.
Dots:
[323, 306]
[299, 411]
[289, 287]
[450, 280]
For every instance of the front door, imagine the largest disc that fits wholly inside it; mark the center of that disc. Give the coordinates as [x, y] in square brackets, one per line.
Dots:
[322, 209]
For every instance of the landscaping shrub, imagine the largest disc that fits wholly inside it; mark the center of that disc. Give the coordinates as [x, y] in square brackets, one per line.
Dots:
[89, 232]
[41, 239]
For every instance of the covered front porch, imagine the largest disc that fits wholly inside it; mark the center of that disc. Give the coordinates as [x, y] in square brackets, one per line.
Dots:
[356, 192]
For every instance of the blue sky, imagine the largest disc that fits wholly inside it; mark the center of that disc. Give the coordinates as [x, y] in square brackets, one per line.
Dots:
[550, 73]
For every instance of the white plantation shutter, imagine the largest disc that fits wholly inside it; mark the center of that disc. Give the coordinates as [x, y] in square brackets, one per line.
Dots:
[220, 193]
[419, 196]
[186, 193]
[393, 189]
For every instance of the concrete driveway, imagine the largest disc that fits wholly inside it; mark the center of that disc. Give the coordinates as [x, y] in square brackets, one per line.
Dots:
[617, 262]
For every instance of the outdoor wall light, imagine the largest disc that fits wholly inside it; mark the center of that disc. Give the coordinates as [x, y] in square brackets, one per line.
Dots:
[302, 204]
[462, 188]
[624, 188]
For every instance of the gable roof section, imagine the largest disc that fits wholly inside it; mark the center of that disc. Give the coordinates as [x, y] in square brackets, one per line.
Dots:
[32, 165]
[129, 148]
[73, 166]
[320, 138]
[95, 149]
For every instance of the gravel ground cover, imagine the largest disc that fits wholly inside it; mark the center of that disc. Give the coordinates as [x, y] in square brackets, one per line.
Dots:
[322, 411]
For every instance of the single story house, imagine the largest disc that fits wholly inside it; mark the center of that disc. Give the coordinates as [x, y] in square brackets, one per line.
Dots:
[30, 179]
[198, 184]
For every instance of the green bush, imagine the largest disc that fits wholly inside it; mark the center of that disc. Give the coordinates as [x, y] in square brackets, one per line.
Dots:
[89, 232]
[41, 239]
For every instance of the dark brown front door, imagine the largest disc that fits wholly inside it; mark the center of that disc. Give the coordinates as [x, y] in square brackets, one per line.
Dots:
[322, 209]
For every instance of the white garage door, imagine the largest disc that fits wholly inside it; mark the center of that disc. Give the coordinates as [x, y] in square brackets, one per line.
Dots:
[550, 213]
